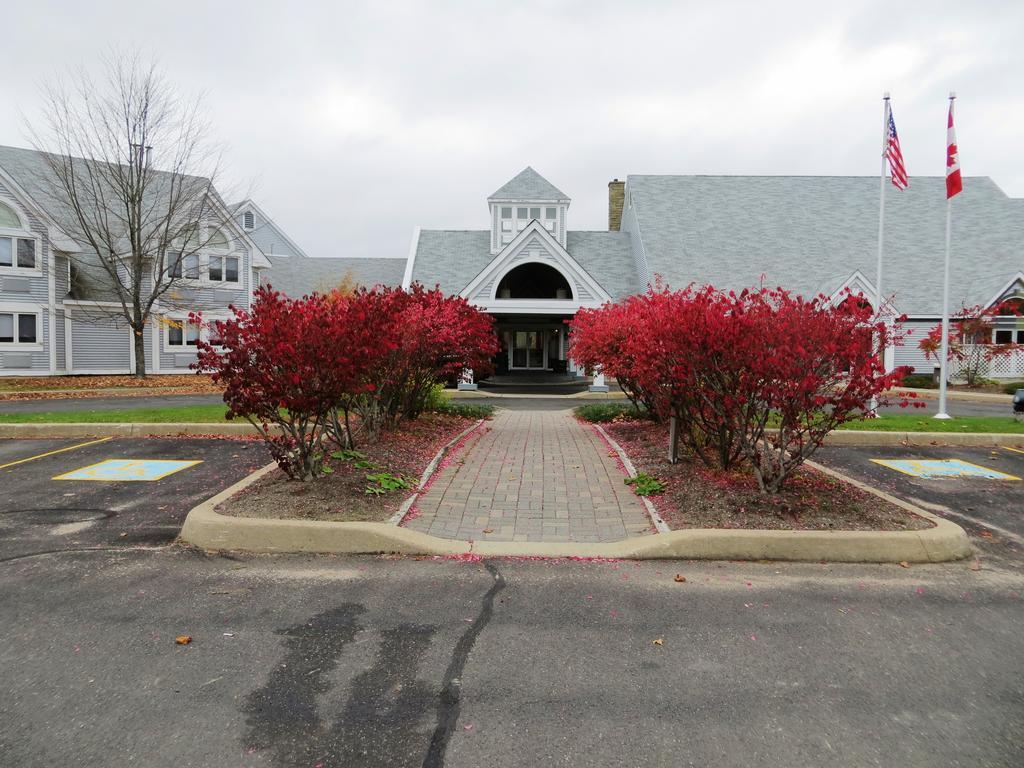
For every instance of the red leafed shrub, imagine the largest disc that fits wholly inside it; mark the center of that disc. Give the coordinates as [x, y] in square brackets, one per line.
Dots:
[288, 364]
[971, 345]
[729, 367]
[296, 368]
[434, 338]
[605, 338]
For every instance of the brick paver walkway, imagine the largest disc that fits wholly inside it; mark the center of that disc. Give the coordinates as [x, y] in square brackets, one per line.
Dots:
[532, 476]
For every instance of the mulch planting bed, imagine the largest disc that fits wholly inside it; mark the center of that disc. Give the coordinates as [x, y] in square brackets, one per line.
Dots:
[696, 496]
[70, 387]
[341, 496]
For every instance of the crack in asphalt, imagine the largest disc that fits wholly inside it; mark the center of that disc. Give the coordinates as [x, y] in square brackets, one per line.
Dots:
[449, 702]
[79, 550]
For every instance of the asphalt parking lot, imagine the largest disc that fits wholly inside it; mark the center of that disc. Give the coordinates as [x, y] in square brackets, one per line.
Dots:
[990, 510]
[377, 661]
[40, 514]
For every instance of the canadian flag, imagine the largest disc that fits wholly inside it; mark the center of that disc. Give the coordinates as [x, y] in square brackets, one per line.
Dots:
[954, 182]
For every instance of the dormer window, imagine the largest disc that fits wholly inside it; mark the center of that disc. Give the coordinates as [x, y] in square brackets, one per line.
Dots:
[527, 197]
[550, 219]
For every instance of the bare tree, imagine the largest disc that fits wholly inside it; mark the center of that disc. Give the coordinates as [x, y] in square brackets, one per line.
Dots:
[133, 168]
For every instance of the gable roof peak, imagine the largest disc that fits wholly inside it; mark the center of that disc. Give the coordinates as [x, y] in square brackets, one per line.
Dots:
[528, 185]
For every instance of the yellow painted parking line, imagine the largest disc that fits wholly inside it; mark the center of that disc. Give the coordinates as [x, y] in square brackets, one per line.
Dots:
[51, 453]
[1015, 450]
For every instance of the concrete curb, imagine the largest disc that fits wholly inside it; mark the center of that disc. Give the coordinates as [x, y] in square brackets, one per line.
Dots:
[659, 525]
[244, 429]
[206, 529]
[399, 516]
[27, 430]
[954, 394]
[870, 437]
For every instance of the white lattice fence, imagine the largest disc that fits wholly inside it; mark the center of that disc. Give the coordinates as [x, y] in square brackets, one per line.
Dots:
[1009, 367]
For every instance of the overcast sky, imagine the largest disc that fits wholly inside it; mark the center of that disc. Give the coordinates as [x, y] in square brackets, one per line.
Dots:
[355, 122]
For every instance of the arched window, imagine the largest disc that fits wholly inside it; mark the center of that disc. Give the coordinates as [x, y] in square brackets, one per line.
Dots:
[534, 281]
[15, 252]
[218, 241]
[9, 219]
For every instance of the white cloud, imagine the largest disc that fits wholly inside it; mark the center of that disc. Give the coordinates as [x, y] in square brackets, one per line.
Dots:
[360, 120]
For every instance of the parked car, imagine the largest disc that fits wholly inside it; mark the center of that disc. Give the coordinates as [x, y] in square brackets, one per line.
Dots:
[1018, 401]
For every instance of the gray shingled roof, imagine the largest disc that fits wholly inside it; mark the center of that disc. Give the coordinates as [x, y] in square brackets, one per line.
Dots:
[31, 169]
[529, 185]
[452, 258]
[298, 276]
[809, 234]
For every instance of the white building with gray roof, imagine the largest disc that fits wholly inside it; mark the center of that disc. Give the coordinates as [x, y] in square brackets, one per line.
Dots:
[59, 312]
[810, 234]
[527, 267]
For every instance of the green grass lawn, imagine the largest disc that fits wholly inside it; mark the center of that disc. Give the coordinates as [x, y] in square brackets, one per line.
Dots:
[184, 414]
[915, 423]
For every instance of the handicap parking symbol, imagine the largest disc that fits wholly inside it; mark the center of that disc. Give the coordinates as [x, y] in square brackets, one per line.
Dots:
[935, 468]
[122, 470]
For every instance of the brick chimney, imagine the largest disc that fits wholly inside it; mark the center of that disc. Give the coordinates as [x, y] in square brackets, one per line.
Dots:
[616, 199]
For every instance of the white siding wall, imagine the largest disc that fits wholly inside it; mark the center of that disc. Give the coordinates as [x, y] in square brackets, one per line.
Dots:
[533, 249]
[58, 341]
[909, 353]
[29, 288]
[99, 343]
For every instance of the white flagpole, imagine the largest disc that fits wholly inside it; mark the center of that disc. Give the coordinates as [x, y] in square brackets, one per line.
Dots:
[873, 405]
[881, 203]
[944, 359]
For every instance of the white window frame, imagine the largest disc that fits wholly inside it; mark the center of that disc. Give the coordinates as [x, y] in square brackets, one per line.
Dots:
[224, 256]
[205, 255]
[204, 332]
[509, 227]
[168, 346]
[12, 308]
[248, 220]
[184, 278]
[21, 233]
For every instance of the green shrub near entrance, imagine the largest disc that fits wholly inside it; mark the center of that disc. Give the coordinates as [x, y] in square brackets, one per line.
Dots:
[601, 413]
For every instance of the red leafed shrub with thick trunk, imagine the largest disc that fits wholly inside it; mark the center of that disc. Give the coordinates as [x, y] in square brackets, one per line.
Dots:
[288, 364]
[729, 367]
[435, 338]
[296, 368]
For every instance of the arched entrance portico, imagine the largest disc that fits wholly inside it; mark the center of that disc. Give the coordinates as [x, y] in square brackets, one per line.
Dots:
[532, 342]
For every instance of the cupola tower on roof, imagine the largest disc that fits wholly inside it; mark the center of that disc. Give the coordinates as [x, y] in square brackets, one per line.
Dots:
[524, 198]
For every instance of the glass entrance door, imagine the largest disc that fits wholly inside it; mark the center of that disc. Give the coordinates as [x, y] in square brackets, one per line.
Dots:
[528, 349]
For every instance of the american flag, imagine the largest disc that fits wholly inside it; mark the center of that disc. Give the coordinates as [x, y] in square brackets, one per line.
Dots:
[892, 151]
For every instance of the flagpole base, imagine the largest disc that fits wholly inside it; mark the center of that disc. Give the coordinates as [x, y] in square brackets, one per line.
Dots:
[942, 415]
